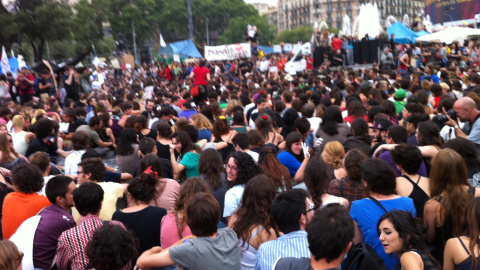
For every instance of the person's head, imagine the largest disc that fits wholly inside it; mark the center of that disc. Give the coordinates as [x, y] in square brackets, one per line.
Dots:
[292, 210]
[256, 207]
[41, 160]
[316, 179]
[396, 134]
[333, 154]
[203, 214]
[331, 117]
[466, 109]
[407, 157]
[241, 141]
[27, 178]
[90, 169]
[59, 190]
[192, 132]
[360, 128]
[400, 232]
[182, 142]
[293, 143]
[302, 126]
[153, 162]
[466, 148]
[428, 133]
[199, 121]
[378, 176]
[189, 188]
[330, 227]
[241, 168]
[10, 256]
[95, 122]
[18, 121]
[220, 127]
[211, 165]
[353, 164]
[473, 225]
[111, 248]
[88, 199]
[143, 188]
[147, 145]
[80, 140]
[44, 129]
[164, 130]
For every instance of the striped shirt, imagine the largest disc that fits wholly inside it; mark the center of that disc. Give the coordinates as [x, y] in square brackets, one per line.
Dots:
[55, 220]
[72, 243]
[294, 244]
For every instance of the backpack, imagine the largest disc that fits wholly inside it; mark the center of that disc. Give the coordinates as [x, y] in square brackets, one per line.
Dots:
[361, 257]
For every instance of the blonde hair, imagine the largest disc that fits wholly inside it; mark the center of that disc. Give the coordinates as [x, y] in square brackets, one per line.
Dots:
[333, 154]
[201, 122]
[9, 255]
[18, 121]
[36, 114]
[231, 105]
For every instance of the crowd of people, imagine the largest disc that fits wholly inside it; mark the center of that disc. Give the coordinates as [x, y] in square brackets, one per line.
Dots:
[227, 165]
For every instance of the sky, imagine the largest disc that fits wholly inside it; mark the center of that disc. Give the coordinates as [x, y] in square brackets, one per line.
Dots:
[270, 2]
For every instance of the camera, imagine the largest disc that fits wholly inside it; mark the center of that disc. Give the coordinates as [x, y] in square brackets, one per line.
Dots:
[451, 113]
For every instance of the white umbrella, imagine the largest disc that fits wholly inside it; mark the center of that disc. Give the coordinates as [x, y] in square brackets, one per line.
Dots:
[450, 35]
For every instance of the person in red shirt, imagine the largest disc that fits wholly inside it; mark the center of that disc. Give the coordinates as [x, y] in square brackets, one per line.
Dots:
[281, 62]
[336, 43]
[202, 76]
[24, 84]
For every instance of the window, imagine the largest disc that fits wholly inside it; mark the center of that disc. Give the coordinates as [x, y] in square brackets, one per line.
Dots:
[329, 6]
[339, 25]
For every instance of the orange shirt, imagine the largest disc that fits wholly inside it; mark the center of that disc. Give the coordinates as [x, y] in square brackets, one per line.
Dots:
[18, 207]
[281, 63]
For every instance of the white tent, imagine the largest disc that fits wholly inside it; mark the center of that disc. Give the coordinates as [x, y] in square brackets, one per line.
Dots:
[450, 35]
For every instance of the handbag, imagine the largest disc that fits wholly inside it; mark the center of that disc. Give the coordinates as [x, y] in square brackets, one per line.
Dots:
[194, 91]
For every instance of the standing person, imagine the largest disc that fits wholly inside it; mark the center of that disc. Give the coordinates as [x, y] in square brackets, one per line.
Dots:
[402, 234]
[71, 251]
[55, 219]
[21, 139]
[253, 222]
[202, 76]
[463, 252]
[70, 82]
[24, 85]
[24, 202]
[209, 249]
[240, 169]
[46, 86]
[379, 179]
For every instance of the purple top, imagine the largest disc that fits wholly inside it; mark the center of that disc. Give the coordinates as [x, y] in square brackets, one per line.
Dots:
[388, 158]
[54, 221]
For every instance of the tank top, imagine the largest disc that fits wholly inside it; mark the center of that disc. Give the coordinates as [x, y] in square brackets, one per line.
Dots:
[169, 230]
[467, 263]
[19, 143]
[418, 196]
[427, 262]
[248, 253]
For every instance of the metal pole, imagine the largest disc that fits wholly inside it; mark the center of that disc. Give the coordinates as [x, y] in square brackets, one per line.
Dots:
[134, 42]
[190, 20]
[208, 35]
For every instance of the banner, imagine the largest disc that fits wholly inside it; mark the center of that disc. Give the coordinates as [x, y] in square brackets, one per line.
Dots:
[228, 52]
[450, 11]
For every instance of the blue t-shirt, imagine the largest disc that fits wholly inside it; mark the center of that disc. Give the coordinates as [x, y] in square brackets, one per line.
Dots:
[289, 161]
[367, 213]
[204, 134]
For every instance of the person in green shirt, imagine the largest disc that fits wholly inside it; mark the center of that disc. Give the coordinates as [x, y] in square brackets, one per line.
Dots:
[399, 100]
[189, 155]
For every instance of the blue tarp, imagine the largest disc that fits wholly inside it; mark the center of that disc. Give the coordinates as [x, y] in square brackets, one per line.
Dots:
[421, 33]
[265, 49]
[184, 48]
[402, 33]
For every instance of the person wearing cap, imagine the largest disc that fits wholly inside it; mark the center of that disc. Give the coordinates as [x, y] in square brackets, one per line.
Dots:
[379, 132]
[399, 100]
[70, 117]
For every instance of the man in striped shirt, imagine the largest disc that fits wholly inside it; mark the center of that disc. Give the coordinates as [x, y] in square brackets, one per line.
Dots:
[71, 252]
[292, 211]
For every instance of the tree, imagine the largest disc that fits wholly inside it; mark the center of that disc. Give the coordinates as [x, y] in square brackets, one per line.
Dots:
[299, 33]
[235, 32]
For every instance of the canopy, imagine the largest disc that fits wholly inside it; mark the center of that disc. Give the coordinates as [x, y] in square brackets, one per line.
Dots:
[450, 35]
[402, 33]
[184, 48]
[421, 33]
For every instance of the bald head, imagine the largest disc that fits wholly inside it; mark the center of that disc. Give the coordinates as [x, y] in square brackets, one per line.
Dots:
[465, 103]
[466, 109]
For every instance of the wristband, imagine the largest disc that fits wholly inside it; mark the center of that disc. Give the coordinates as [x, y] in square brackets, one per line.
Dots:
[456, 127]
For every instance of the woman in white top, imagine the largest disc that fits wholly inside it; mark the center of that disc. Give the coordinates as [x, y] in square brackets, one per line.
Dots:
[317, 182]
[253, 222]
[21, 138]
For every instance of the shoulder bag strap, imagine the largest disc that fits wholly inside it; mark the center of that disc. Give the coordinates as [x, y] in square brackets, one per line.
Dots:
[378, 203]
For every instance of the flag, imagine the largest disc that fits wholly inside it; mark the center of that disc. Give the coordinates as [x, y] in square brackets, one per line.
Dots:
[162, 42]
[5, 63]
[11, 51]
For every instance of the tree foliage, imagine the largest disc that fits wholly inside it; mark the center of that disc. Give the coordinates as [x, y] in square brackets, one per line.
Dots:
[300, 33]
[237, 27]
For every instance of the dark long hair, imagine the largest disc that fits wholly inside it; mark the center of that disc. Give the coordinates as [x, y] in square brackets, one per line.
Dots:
[211, 166]
[127, 138]
[256, 208]
[292, 138]
[271, 166]
[429, 134]
[316, 179]
[472, 229]
[247, 168]
[410, 230]
[187, 144]
[331, 118]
